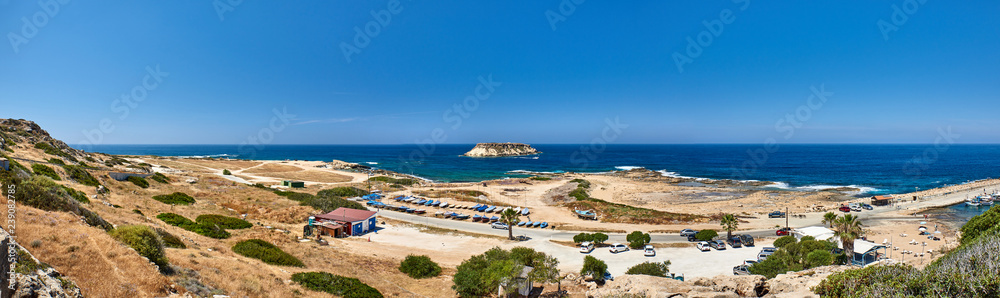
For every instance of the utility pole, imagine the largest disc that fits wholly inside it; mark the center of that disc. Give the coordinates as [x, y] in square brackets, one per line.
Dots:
[786, 217]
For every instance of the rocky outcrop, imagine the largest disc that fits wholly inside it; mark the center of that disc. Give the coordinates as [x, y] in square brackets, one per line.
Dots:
[793, 284]
[501, 149]
[43, 282]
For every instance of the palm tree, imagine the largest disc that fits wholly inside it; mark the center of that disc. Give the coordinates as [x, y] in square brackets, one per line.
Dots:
[829, 217]
[510, 218]
[729, 223]
[847, 228]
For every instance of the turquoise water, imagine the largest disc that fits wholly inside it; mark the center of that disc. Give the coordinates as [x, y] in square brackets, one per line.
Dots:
[876, 169]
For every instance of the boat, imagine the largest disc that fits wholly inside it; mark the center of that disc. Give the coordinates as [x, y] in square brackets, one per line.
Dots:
[529, 224]
[439, 214]
[476, 217]
[492, 219]
[462, 216]
[410, 210]
[544, 225]
[403, 208]
[409, 199]
[524, 211]
[585, 214]
[536, 224]
[443, 205]
[521, 224]
[488, 210]
[481, 208]
[432, 203]
[419, 211]
[973, 203]
[420, 201]
[476, 206]
[518, 209]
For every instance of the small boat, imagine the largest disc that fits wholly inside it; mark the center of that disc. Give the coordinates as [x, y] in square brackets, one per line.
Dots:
[524, 211]
[419, 211]
[438, 214]
[973, 202]
[544, 225]
[462, 217]
[481, 208]
[491, 209]
[420, 201]
[492, 219]
[443, 205]
[529, 224]
[536, 224]
[410, 210]
[409, 199]
[403, 208]
[430, 203]
[518, 209]
[585, 214]
[521, 224]
[476, 217]
[476, 206]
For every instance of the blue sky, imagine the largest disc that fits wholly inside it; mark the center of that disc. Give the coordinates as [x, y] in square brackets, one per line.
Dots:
[222, 78]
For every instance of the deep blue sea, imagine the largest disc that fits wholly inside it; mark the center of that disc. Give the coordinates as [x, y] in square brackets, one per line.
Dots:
[876, 169]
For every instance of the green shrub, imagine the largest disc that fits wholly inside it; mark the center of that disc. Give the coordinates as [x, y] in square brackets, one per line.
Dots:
[226, 172]
[342, 191]
[26, 264]
[583, 237]
[979, 224]
[46, 171]
[144, 241]
[57, 161]
[581, 183]
[390, 180]
[225, 222]
[204, 229]
[169, 240]
[177, 198]
[784, 240]
[267, 252]
[637, 239]
[138, 181]
[819, 258]
[599, 238]
[706, 235]
[42, 193]
[80, 175]
[419, 267]
[795, 256]
[480, 275]
[593, 267]
[49, 149]
[77, 195]
[159, 177]
[537, 178]
[650, 268]
[335, 284]
[326, 200]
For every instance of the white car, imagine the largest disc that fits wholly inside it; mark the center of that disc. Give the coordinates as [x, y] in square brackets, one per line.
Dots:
[648, 251]
[586, 247]
[703, 246]
[618, 247]
[750, 262]
[499, 225]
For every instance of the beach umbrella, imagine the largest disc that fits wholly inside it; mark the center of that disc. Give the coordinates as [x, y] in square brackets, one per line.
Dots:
[922, 229]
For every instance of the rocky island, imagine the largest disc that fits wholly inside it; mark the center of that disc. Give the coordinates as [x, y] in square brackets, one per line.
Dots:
[501, 149]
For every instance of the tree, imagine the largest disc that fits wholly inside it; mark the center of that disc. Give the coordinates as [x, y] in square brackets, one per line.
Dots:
[510, 218]
[847, 228]
[583, 237]
[419, 267]
[480, 275]
[650, 268]
[828, 218]
[637, 239]
[593, 267]
[818, 258]
[784, 240]
[706, 235]
[599, 238]
[729, 223]
[226, 172]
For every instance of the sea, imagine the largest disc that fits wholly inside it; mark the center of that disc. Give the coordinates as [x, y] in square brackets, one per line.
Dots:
[872, 168]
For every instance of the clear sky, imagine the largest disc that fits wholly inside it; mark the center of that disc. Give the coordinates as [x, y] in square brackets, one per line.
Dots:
[560, 72]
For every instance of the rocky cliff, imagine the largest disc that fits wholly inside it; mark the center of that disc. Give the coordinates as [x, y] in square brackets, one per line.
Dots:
[501, 149]
[792, 284]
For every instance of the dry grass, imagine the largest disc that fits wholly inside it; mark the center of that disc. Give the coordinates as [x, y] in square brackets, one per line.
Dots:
[222, 164]
[271, 168]
[308, 175]
[441, 231]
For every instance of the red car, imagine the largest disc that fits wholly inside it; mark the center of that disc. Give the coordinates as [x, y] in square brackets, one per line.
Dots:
[845, 209]
[783, 232]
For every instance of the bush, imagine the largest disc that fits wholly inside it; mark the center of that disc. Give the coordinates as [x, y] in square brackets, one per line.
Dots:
[226, 172]
[536, 178]
[581, 183]
[326, 200]
[49, 149]
[784, 240]
[42, 193]
[80, 175]
[819, 258]
[138, 181]
[77, 195]
[177, 198]
[650, 268]
[706, 235]
[159, 177]
[390, 180]
[599, 238]
[593, 267]
[204, 229]
[480, 275]
[979, 224]
[144, 241]
[795, 256]
[637, 239]
[419, 267]
[267, 252]
[225, 222]
[57, 161]
[335, 284]
[46, 171]
[342, 191]
[169, 240]
[583, 237]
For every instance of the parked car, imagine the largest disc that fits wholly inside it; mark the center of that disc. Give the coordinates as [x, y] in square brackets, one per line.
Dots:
[769, 250]
[607, 276]
[762, 256]
[866, 206]
[783, 232]
[766, 252]
[845, 209]
[618, 247]
[855, 207]
[586, 247]
[703, 246]
[499, 225]
[688, 232]
[718, 245]
[750, 262]
[734, 241]
[691, 238]
[747, 240]
[648, 251]
[741, 270]
[776, 214]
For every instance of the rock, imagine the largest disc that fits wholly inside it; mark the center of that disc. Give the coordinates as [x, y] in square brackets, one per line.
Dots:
[741, 285]
[501, 149]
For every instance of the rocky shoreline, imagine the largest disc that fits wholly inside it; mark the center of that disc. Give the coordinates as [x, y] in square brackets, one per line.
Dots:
[501, 150]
